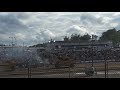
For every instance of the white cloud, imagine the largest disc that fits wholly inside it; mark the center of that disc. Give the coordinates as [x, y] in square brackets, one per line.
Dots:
[32, 27]
[20, 36]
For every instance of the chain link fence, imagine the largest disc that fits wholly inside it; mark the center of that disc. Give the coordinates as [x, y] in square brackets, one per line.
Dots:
[112, 70]
[87, 64]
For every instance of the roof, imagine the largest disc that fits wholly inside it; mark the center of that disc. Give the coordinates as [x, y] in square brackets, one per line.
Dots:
[79, 43]
[61, 42]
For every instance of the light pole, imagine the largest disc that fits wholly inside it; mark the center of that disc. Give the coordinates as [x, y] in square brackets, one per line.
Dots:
[12, 44]
[16, 40]
[23, 48]
[92, 50]
[29, 64]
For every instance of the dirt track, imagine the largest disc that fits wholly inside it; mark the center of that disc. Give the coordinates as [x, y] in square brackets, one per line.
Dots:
[77, 69]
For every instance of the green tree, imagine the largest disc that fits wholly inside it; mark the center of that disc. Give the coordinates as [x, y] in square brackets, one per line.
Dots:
[66, 38]
[111, 35]
[85, 38]
[75, 38]
[78, 38]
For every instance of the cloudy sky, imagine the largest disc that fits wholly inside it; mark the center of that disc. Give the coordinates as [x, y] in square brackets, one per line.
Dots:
[35, 27]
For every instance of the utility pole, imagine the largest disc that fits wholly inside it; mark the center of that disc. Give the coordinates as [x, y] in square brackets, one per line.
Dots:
[23, 48]
[15, 41]
[12, 45]
[92, 50]
[29, 65]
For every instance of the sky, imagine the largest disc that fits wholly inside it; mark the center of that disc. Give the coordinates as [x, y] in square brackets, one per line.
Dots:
[39, 27]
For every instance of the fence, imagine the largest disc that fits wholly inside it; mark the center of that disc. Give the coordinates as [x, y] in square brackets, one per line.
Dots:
[29, 68]
[102, 70]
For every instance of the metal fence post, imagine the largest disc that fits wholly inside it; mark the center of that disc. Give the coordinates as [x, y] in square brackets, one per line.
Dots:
[107, 69]
[69, 71]
[28, 71]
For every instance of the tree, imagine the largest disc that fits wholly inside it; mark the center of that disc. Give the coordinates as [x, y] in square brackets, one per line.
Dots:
[111, 35]
[66, 38]
[75, 38]
[78, 38]
[108, 35]
[85, 38]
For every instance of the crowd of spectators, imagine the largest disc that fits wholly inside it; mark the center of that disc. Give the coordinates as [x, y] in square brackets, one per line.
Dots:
[86, 55]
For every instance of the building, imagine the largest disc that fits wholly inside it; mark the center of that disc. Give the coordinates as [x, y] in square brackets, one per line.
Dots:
[67, 45]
